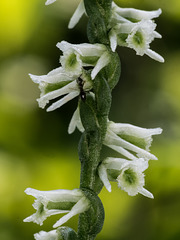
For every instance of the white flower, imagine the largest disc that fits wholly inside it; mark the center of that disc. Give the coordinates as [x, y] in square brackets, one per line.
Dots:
[42, 235]
[80, 10]
[134, 29]
[129, 140]
[128, 174]
[49, 2]
[76, 56]
[58, 83]
[49, 203]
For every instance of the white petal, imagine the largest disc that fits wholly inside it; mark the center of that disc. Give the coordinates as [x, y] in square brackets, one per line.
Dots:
[115, 140]
[84, 49]
[42, 235]
[113, 40]
[118, 19]
[136, 14]
[101, 63]
[55, 76]
[56, 195]
[129, 129]
[122, 151]
[152, 54]
[116, 163]
[49, 2]
[75, 122]
[69, 88]
[138, 132]
[146, 193]
[77, 15]
[103, 176]
[62, 101]
[39, 219]
[157, 35]
[81, 206]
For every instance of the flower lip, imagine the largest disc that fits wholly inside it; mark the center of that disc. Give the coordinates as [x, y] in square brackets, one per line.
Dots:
[42, 235]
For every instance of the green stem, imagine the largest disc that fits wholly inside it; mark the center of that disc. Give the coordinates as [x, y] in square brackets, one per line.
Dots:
[94, 115]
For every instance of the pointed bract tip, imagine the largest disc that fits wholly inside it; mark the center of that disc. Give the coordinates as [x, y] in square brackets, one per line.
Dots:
[48, 2]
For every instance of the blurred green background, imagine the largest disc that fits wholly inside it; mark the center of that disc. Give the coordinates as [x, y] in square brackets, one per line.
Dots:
[35, 148]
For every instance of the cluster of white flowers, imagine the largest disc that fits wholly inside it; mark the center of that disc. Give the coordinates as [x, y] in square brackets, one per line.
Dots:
[64, 80]
[131, 142]
[129, 27]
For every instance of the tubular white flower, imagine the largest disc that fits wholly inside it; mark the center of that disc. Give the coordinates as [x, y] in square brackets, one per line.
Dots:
[76, 56]
[58, 83]
[49, 2]
[128, 174]
[134, 29]
[80, 10]
[42, 235]
[126, 137]
[49, 203]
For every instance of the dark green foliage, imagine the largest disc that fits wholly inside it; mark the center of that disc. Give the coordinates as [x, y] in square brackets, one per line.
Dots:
[99, 12]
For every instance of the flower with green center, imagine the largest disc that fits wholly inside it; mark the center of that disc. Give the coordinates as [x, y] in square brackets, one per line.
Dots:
[130, 141]
[58, 83]
[77, 56]
[128, 174]
[134, 29]
[54, 202]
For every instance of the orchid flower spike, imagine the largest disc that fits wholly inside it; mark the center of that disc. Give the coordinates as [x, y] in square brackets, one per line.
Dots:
[76, 56]
[134, 29]
[58, 83]
[54, 202]
[128, 174]
[130, 141]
